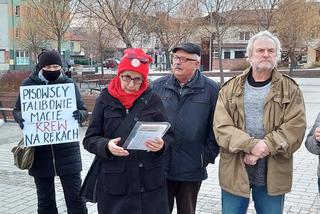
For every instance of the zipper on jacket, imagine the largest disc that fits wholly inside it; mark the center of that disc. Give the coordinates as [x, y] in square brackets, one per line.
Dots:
[202, 164]
[53, 161]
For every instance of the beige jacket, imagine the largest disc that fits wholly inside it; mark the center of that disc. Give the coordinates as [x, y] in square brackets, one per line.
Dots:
[284, 122]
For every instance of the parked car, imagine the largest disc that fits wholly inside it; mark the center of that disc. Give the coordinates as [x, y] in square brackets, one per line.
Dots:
[110, 63]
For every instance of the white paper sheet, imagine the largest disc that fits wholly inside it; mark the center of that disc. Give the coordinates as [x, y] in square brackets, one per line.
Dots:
[143, 131]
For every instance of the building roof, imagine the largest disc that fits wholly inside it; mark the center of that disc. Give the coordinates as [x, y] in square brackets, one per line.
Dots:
[239, 17]
[73, 37]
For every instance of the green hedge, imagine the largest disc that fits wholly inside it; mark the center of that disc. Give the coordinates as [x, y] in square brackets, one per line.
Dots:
[81, 61]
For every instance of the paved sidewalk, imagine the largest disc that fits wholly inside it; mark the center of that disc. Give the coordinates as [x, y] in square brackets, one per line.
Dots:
[18, 195]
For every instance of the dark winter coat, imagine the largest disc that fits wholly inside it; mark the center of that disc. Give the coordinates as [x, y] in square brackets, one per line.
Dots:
[134, 184]
[190, 114]
[57, 159]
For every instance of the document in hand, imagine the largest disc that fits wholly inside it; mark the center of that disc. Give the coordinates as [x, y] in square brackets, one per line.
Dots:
[143, 131]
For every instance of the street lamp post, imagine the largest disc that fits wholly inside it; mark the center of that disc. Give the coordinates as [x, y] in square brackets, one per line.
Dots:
[13, 36]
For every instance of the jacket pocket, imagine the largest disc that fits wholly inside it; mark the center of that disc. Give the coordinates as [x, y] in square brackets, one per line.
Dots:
[111, 121]
[109, 113]
[282, 100]
[279, 174]
[279, 110]
[203, 164]
[186, 161]
[232, 173]
[114, 178]
[200, 98]
[148, 114]
[154, 176]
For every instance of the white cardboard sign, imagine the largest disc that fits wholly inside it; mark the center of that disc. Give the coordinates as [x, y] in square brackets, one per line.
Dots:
[47, 111]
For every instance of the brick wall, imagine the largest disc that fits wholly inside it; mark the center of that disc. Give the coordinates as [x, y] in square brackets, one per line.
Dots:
[231, 64]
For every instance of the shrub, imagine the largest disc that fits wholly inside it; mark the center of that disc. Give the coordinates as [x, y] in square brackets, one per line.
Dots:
[11, 80]
[81, 61]
[240, 66]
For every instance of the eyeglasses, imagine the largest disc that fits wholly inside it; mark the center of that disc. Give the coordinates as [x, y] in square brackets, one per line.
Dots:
[182, 59]
[128, 79]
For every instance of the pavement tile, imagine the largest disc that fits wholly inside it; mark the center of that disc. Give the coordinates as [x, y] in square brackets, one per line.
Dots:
[18, 195]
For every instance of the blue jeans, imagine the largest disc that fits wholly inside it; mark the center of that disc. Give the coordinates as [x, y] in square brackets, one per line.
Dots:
[319, 184]
[263, 203]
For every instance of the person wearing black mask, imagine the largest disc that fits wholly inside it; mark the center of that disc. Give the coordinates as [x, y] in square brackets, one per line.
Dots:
[51, 66]
[61, 160]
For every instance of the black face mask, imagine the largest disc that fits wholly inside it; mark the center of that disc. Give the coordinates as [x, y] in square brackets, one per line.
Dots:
[51, 75]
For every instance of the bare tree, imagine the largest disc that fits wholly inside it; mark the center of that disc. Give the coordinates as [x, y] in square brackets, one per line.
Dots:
[265, 13]
[296, 21]
[54, 16]
[123, 15]
[31, 38]
[172, 23]
[222, 14]
[100, 38]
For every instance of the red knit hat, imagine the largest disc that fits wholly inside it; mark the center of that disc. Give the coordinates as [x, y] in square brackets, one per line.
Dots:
[135, 59]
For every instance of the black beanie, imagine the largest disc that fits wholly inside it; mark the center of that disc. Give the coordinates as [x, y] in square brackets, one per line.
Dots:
[49, 58]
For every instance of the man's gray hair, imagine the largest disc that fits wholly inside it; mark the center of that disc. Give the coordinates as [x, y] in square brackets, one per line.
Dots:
[264, 35]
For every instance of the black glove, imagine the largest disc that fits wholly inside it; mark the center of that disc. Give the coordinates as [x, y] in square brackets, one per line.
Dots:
[18, 118]
[21, 123]
[79, 115]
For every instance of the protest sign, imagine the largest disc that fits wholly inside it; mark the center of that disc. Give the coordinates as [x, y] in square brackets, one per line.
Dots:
[47, 111]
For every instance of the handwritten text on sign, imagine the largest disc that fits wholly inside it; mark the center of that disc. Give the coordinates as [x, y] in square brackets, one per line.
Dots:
[47, 111]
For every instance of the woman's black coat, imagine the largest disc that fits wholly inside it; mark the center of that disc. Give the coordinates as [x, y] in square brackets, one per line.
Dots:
[134, 184]
[57, 159]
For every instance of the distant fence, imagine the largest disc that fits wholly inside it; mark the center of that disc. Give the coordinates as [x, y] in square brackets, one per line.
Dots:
[306, 73]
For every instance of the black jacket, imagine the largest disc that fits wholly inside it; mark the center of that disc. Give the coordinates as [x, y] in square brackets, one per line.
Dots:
[190, 114]
[127, 185]
[57, 159]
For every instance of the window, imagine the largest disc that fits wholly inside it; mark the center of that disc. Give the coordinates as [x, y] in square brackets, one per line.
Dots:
[2, 59]
[244, 36]
[72, 47]
[239, 54]
[17, 32]
[226, 55]
[17, 12]
[22, 58]
[215, 54]
[28, 12]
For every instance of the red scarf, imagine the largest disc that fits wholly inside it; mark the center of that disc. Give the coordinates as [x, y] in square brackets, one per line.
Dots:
[127, 100]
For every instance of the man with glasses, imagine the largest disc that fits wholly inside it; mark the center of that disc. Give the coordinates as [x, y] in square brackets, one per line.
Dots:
[189, 98]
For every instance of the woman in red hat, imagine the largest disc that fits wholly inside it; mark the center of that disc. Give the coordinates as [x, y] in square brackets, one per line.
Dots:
[129, 181]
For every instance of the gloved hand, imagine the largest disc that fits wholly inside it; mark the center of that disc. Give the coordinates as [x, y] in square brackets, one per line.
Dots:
[79, 115]
[18, 118]
[21, 123]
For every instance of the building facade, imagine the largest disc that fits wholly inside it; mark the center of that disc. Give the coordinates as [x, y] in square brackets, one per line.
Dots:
[4, 36]
[19, 57]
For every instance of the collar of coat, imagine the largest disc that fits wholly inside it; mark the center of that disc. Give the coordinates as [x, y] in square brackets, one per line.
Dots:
[114, 103]
[197, 84]
[281, 87]
[275, 75]
[275, 79]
